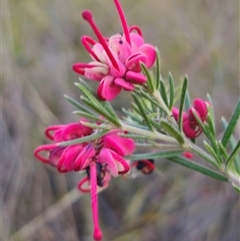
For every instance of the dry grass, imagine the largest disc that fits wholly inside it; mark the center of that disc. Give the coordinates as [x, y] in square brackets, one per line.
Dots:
[40, 43]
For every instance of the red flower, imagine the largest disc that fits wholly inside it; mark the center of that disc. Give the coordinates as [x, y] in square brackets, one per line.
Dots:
[116, 60]
[190, 125]
[100, 159]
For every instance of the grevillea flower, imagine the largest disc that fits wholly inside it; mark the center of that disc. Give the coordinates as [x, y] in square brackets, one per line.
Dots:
[62, 156]
[190, 125]
[116, 60]
[100, 159]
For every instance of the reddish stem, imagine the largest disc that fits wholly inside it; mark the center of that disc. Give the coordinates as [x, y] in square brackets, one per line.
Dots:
[97, 233]
[81, 183]
[123, 21]
[43, 148]
[87, 15]
[137, 29]
[52, 128]
[86, 40]
[122, 161]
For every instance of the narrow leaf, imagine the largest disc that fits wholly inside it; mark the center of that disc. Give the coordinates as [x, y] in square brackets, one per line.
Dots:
[149, 81]
[172, 131]
[134, 136]
[87, 115]
[87, 86]
[154, 155]
[157, 125]
[158, 69]
[152, 100]
[163, 92]
[232, 124]
[212, 152]
[83, 139]
[188, 102]
[211, 125]
[98, 105]
[211, 111]
[109, 109]
[133, 116]
[135, 108]
[78, 105]
[142, 111]
[182, 100]
[171, 91]
[199, 168]
[194, 148]
[101, 111]
[232, 155]
[222, 149]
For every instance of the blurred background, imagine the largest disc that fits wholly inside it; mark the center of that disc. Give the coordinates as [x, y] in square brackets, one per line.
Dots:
[40, 42]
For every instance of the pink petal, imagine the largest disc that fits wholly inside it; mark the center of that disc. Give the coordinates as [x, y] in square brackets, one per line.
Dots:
[97, 72]
[121, 83]
[100, 52]
[119, 44]
[122, 146]
[51, 129]
[150, 53]
[107, 90]
[105, 157]
[200, 106]
[136, 41]
[117, 72]
[55, 155]
[136, 78]
[58, 134]
[84, 157]
[42, 151]
[74, 130]
[71, 154]
[187, 129]
[122, 165]
[175, 113]
[133, 62]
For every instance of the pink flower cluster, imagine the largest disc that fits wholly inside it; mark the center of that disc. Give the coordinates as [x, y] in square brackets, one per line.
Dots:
[100, 159]
[116, 60]
[190, 124]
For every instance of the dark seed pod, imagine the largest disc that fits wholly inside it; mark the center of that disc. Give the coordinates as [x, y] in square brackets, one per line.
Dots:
[100, 174]
[145, 166]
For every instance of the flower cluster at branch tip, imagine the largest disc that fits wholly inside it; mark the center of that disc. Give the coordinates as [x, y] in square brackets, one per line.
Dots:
[101, 158]
[191, 127]
[116, 60]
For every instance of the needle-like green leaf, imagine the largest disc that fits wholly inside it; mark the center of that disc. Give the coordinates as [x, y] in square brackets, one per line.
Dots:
[101, 111]
[92, 137]
[87, 115]
[163, 92]
[78, 105]
[150, 81]
[182, 100]
[158, 69]
[233, 154]
[199, 168]
[232, 124]
[142, 111]
[171, 91]
[172, 131]
[154, 155]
